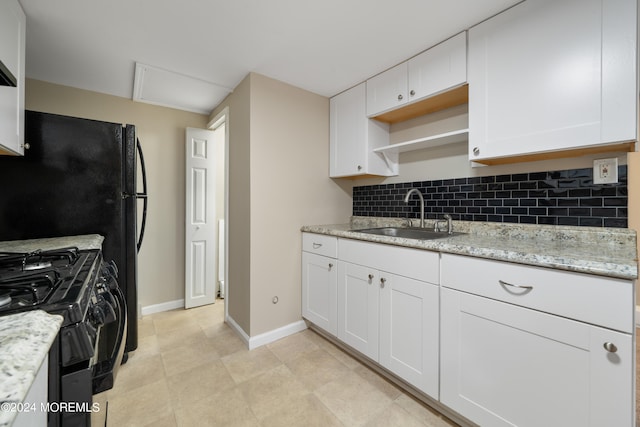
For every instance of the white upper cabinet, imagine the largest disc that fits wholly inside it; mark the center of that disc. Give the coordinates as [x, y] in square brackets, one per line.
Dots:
[552, 75]
[353, 137]
[387, 90]
[437, 69]
[442, 67]
[12, 54]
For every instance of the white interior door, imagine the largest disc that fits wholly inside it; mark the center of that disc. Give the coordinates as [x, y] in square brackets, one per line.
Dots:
[200, 219]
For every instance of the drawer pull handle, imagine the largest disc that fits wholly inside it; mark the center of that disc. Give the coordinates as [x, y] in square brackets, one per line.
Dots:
[317, 245]
[610, 347]
[503, 283]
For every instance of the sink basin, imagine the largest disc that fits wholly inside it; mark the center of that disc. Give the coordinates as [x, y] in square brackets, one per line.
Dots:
[407, 233]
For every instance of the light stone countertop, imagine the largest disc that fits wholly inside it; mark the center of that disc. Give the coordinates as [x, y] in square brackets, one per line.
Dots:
[25, 339]
[607, 252]
[87, 241]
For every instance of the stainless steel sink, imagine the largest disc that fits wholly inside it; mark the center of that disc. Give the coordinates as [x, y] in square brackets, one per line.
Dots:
[407, 233]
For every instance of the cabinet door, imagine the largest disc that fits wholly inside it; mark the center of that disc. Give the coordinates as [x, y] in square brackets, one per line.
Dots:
[504, 365]
[319, 291]
[440, 68]
[12, 53]
[387, 90]
[552, 75]
[352, 137]
[409, 324]
[358, 299]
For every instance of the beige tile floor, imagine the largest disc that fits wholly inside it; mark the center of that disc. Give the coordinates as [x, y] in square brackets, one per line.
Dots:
[191, 369]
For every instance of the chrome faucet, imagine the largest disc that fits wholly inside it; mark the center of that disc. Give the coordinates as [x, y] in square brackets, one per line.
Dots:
[406, 200]
[449, 224]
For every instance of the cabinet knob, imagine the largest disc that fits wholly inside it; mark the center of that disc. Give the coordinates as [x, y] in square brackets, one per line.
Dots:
[330, 266]
[370, 277]
[400, 97]
[382, 282]
[359, 167]
[476, 151]
[610, 347]
[26, 145]
[412, 93]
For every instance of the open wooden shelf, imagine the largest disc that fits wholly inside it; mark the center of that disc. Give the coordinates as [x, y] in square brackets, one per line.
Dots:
[442, 101]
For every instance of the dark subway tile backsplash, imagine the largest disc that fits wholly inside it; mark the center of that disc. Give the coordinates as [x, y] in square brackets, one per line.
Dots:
[566, 197]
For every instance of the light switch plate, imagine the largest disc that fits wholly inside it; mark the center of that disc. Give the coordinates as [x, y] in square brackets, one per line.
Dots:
[605, 171]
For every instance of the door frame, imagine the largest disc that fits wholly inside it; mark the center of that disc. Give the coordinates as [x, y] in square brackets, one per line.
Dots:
[219, 119]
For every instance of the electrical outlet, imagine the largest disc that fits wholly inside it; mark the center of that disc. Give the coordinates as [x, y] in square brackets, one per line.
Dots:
[605, 171]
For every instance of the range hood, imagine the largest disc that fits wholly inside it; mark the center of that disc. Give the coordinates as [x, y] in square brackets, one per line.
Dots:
[6, 77]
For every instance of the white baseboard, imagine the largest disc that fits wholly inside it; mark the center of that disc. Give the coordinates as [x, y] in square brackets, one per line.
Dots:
[267, 337]
[276, 334]
[165, 306]
[238, 330]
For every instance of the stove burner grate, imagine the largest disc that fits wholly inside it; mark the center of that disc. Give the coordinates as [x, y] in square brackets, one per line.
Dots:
[38, 259]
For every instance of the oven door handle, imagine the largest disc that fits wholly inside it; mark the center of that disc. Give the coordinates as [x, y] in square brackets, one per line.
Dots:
[105, 371]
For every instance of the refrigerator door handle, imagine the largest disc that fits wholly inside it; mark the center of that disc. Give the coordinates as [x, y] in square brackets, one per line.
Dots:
[142, 195]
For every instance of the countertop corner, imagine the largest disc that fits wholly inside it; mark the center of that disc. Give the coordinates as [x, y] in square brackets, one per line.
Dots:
[25, 340]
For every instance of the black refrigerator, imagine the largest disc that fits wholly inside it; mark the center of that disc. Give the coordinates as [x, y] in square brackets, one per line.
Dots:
[78, 176]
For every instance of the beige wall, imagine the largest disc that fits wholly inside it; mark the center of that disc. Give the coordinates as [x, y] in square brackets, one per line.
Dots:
[238, 220]
[290, 187]
[287, 168]
[162, 133]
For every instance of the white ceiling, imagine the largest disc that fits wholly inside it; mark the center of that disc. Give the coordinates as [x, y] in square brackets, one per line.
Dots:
[324, 46]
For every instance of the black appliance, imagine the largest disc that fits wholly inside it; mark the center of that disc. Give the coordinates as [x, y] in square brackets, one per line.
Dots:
[78, 177]
[79, 286]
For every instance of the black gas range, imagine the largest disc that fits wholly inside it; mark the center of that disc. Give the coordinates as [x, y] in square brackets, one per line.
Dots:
[79, 286]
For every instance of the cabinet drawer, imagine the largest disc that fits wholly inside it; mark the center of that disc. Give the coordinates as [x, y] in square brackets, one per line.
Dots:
[413, 263]
[320, 244]
[597, 300]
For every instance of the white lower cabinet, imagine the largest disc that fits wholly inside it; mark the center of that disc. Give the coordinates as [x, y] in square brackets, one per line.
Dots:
[358, 308]
[36, 398]
[319, 275]
[500, 344]
[389, 317]
[504, 364]
[409, 328]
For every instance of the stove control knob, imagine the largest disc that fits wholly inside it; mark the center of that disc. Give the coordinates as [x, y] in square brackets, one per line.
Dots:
[97, 315]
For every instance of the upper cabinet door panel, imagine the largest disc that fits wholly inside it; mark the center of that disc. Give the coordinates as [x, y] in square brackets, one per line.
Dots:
[348, 133]
[548, 75]
[387, 90]
[12, 54]
[440, 68]
[353, 137]
[619, 70]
